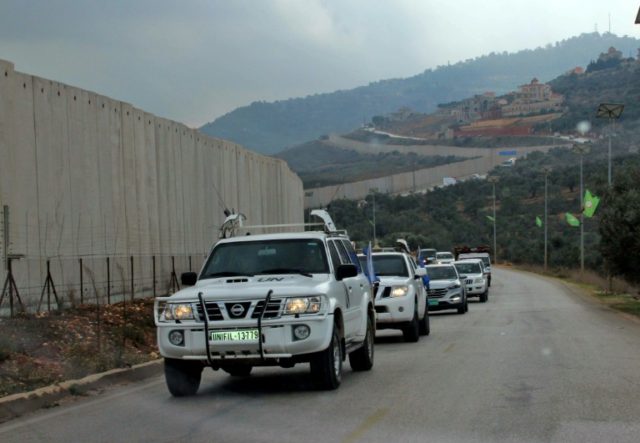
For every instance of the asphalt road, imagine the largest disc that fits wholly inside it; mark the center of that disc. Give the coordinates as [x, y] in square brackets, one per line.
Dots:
[536, 363]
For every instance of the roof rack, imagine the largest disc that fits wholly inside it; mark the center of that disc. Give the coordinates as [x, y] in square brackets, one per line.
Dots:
[235, 222]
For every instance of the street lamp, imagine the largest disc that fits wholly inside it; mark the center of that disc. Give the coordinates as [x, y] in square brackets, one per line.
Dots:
[373, 197]
[611, 111]
[581, 150]
[546, 170]
[493, 180]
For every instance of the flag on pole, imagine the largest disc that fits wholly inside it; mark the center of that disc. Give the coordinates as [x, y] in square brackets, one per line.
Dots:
[538, 222]
[370, 273]
[590, 204]
[572, 220]
[490, 218]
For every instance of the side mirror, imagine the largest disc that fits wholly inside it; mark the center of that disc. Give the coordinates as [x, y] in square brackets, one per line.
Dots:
[188, 278]
[421, 272]
[346, 271]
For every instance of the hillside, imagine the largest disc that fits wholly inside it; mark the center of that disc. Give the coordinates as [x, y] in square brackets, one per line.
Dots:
[458, 214]
[271, 127]
[322, 164]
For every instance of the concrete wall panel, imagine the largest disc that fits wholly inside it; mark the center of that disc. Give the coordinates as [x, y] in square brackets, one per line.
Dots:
[88, 177]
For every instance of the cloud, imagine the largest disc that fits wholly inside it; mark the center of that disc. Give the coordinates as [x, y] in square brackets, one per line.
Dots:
[197, 59]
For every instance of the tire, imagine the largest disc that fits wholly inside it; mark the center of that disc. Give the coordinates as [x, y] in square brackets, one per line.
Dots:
[484, 296]
[411, 332]
[464, 307]
[326, 366]
[182, 377]
[425, 326]
[489, 282]
[362, 358]
[238, 370]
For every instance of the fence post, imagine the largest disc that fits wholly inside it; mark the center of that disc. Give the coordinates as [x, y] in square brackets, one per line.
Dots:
[81, 284]
[133, 293]
[153, 276]
[108, 281]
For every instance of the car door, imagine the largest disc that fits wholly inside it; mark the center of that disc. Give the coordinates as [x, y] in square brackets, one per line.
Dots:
[353, 293]
[421, 292]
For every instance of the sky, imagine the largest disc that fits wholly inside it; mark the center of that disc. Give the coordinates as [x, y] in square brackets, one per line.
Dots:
[195, 60]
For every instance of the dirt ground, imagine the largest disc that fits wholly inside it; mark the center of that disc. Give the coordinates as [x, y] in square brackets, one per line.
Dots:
[42, 349]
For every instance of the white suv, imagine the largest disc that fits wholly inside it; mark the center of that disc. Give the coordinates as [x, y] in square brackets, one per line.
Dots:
[472, 272]
[269, 300]
[400, 297]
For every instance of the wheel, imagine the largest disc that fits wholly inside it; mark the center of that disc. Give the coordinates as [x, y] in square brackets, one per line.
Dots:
[411, 332]
[489, 284]
[425, 327]
[238, 370]
[326, 366]
[362, 358]
[484, 296]
[182, 377]
[464, 307]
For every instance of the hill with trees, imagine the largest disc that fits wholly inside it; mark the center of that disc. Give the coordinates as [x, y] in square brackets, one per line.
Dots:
[271, 127]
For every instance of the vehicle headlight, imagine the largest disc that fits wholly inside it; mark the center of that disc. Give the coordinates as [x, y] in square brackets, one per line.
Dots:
[399, 291]
[479, 280]
[303, 305]
[182, 311]
[453, 287]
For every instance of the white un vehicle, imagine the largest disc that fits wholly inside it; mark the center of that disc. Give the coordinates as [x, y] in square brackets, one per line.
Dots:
[269, 300]
[400, 298]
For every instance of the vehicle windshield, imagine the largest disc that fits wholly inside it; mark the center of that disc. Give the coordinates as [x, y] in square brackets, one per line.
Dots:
[387, 265]
[267, 257]
[444, 255]
[428, 253]
[441, 273]
[468, 268]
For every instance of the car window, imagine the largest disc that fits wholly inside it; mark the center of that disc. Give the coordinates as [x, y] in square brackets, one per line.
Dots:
[390, 265]
[256, 257]
[335, 256]
[468, 268]
[441, 273]
[352, 254]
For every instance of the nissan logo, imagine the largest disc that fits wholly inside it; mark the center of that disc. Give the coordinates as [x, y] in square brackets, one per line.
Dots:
[237, 310]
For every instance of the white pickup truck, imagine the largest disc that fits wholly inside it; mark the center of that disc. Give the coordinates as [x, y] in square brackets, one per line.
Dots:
[269, 300]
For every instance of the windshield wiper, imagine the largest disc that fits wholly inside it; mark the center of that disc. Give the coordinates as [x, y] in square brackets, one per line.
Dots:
[227, 274]
[285, 271]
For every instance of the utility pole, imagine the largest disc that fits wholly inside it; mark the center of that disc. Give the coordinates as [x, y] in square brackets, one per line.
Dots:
[493, 180]
[546, 171]
[373, 196]
[581, 150]
[612, 112]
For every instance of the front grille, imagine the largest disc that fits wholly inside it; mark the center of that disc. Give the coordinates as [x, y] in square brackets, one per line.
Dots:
[272, 311]
[213, 311]
[437, 293]
[239, 310]
[469, 281]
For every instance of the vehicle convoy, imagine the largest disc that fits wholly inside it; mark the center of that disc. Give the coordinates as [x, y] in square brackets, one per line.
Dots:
[400, 296]
[444, 258]
[446, 289]
[426, 256]
[269, 300]
[481, 252]
[475, 282]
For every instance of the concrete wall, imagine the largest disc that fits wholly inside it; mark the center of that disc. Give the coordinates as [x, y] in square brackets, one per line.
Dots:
[88, 177]
[418, 180]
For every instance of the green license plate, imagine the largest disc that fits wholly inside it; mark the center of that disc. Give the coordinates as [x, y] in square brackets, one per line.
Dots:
[433, 302]
[237, 335]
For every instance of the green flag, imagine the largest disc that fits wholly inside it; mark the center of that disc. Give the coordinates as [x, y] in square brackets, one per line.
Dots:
[538, 222]
[571, 219]
[491, 218]
[590, 204]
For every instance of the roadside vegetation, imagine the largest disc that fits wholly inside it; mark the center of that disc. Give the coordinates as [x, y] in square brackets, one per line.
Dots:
[37, 350]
